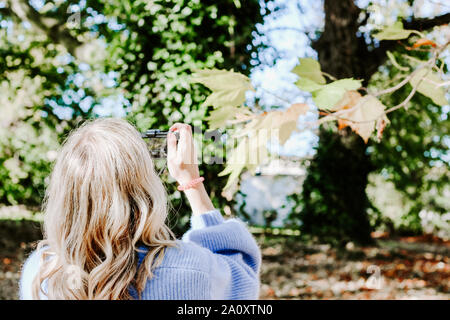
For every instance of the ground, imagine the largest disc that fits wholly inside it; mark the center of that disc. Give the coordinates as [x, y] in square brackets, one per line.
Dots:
[402, 268]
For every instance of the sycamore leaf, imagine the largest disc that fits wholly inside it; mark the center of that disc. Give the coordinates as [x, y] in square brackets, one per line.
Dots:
[427, 83]
[236, 163]
[252, 147]
[218, 118]
[349, 99]
[308, 85]
[362, 116]
[287, 122]
[381, 124]
[309, 69]
[330, 94]
[284, 121]
[228, 87]
[393, 32]
[286, 131]
[234, 170]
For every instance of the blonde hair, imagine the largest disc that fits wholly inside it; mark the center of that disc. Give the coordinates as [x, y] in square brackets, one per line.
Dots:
[104, 200]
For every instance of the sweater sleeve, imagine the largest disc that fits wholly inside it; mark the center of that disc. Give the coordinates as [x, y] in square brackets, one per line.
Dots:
[29, 271]
[235, 257]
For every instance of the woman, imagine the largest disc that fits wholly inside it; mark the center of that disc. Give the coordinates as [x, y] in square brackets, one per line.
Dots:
[105, 235]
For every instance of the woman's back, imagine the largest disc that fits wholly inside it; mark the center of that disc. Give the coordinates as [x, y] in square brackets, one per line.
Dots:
[105, 201]
[219, 260]
[216, 259]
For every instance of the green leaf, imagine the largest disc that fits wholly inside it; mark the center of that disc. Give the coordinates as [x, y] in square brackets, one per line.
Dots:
[234, 170]
[393, 32]
[218, 117]
[429, 86]
[332, 93]
[363, 116]
[228, 87]
[308, 85]
[309, 69]
[236, 163]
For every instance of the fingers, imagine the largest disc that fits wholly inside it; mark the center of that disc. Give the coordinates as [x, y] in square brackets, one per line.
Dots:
[171, 147]
[181, 152]
[180, 126]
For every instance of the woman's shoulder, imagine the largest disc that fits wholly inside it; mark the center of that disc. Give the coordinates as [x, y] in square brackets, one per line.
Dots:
[184, 255]
[29, 270]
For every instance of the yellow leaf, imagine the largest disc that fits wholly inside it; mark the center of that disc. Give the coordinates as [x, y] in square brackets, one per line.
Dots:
[284, 121]
[349, 99]
[362, 116]
[429, 84]
[220, 117]
[228, 87]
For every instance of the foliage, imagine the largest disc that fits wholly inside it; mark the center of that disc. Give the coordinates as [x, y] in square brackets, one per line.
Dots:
[413, 151]
[30, 81]
[338, 100]
[131, 56]
[136, 58]
[157, 51]
[350, 105]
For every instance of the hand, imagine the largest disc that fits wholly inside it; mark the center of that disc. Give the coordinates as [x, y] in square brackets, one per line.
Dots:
[181, 156]
[183, 167]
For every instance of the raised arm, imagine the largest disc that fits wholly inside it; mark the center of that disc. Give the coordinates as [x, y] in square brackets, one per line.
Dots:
[234, 257]
[183, 167]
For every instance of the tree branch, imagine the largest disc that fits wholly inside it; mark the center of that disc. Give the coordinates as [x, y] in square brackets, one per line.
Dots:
[427, 23]
[378, 56]
[54, 29]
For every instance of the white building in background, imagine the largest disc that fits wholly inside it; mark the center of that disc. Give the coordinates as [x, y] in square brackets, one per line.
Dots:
[268, 189]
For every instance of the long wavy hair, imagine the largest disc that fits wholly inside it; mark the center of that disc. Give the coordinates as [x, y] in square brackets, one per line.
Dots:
[103, 202]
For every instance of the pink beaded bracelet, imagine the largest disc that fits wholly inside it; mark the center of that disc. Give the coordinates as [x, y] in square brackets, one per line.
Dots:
[190, 184]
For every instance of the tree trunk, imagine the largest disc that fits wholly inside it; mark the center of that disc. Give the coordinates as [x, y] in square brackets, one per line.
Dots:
[335, 201]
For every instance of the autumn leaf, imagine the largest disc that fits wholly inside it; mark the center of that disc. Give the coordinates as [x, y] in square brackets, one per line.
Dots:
[428, 83]
[236, 163]
[233, 170]
[349, 100]
[251, 150]
[362, 116]
[309, 69]
[228, 87]
[311, 80]
[381, 124]
[326, 96]
[424, 42]
[285, 121]
[332, 93]
[219, 118]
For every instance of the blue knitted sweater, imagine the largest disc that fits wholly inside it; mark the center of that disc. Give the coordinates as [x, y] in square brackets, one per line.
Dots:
[216, 259]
